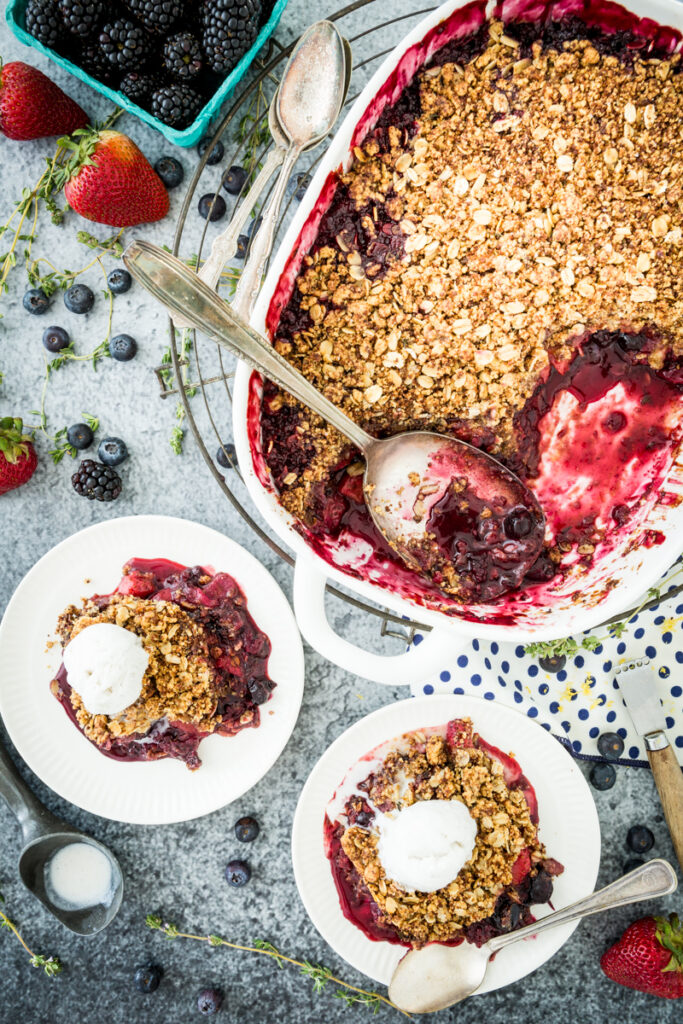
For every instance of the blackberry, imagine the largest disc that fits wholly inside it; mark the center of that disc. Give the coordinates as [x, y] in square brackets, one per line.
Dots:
[138, 87]
[43, 21]
[93, 60]
[176, 105]
[96, 482]
[125, 45]
[229, 29]
[182, 56]
[81, 16]
[157, 16]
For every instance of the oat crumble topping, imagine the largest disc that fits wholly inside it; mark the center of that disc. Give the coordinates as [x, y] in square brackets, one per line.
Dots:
[539, 198]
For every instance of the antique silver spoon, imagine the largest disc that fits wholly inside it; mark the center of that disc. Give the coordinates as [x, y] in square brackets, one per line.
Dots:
[44, 835]
[224, 246]
[405, 476]
[438, 976]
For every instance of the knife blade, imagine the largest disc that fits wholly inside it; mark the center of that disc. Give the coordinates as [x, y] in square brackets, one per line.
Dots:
[638, 687]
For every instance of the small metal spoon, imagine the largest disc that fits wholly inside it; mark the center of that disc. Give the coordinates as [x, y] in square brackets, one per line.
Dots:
[44, 834]
[308, 101]
[438, 976]
[399, 471]
[224, 246]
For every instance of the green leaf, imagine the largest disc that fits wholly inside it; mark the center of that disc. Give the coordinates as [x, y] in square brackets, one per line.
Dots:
[153, 921]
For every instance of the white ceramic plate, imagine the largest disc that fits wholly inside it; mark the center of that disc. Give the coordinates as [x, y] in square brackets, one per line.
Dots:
[142, 793]
[568, 827]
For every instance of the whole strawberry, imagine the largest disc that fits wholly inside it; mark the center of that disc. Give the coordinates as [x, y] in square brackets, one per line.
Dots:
[649, 957]
[33, 107]
[17, 455]
[107, 179]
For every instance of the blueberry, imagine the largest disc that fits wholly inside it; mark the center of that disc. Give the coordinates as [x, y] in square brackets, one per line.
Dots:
[234, 180]
[518, 524]
[112, 451]
[55, 339]
[36, 301]
[603, 776]
[226, 456]
[237, 873]
[147, 977]
[242, 246]
[212, 206]
[216, 154]
[640, 839]
[246, 829]
[297, 186]
[80, 436]
[254, 225]
[170, 171]
[209, 1001]
[632, 864]
[553, 663]
[79, 298]
[610, 745]
[122, 347]
[541, 888]
[119, 281]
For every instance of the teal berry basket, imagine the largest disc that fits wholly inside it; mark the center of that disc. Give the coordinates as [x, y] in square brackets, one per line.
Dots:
[14, 15]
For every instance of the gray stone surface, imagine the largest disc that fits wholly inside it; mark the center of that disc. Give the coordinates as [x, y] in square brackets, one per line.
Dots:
[177, 870]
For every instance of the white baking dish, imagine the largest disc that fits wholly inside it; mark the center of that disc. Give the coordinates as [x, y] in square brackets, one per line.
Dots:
[578, 603]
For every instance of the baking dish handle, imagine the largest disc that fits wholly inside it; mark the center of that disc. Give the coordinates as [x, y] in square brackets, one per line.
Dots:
[433, 654]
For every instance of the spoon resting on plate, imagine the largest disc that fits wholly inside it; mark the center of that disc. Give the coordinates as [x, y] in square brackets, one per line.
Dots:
[448, 509]
[438, 976]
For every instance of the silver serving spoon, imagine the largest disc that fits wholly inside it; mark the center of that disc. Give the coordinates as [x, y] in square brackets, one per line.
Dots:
[44, 835]
[224, 246]
[438, 976]
[308, 103]
[405, 475]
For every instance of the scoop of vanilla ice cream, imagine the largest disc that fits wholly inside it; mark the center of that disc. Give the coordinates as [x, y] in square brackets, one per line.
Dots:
[425, 846]
[105, 665]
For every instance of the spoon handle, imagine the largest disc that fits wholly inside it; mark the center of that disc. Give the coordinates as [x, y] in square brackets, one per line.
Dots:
[252, 276]
[184, 295]
[225, 245]
[656, 878]
[33, 817]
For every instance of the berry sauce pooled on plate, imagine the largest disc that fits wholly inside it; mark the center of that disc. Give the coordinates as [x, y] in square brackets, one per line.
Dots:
[207, 667]
[503, 868]
[500, 262]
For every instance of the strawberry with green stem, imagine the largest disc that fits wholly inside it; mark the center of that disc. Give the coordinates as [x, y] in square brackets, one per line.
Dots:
[649, 957]
[18, 458]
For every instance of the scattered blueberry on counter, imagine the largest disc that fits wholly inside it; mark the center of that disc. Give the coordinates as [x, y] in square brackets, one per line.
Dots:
[603, 776]
[96, 482]
[119, 281]
[147, 978]
[226, 456]
[640, 839]
[611, 745]
[36, 301]
[80, 436]
[122, 347]
[237, 873]
[55, 338]
[212, 206]
[209, 1001]
[242, 246]
[632, 864]
[297, 185]
[170, 171]
[216, 154]
[234, 180]
[79, 298]
[112, 451]
[247, 829]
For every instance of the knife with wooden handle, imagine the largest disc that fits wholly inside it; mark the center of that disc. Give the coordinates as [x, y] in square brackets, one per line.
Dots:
[638, 686]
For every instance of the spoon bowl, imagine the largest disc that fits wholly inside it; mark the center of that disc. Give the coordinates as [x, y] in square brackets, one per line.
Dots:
[448, 509]
[33, 869]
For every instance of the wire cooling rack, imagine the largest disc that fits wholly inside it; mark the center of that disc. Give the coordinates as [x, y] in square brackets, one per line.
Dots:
[201, 371]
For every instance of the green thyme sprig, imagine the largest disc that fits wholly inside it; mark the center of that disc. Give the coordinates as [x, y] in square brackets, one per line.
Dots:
[320, 976]
[569, 646]
[51, 965]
